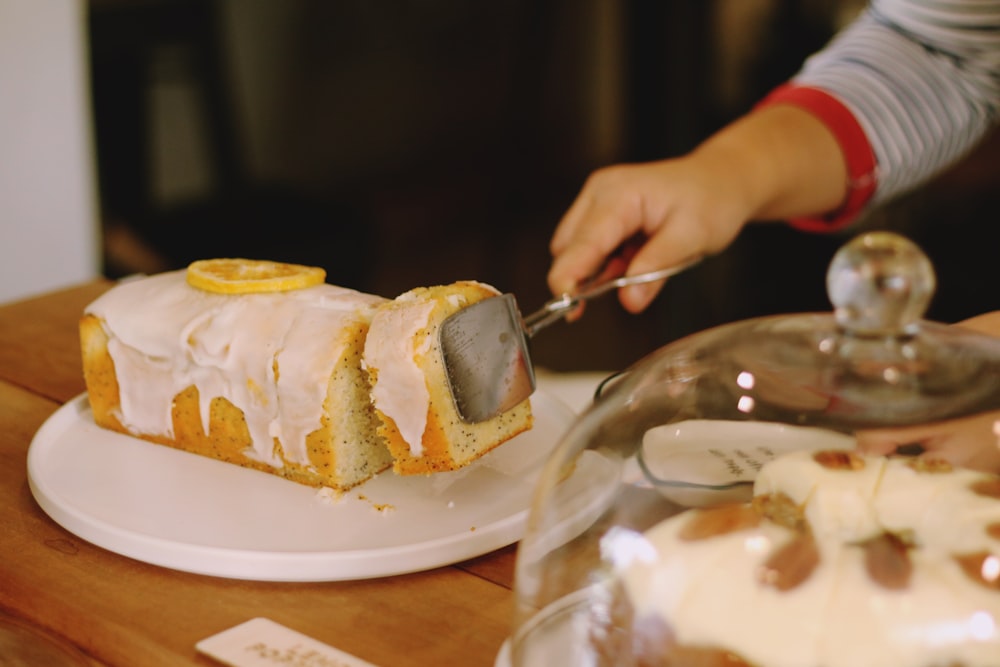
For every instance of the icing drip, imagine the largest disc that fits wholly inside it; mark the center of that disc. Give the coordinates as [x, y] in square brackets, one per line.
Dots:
[401, 392]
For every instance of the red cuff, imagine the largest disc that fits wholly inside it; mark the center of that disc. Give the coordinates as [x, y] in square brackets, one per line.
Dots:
[853, 142]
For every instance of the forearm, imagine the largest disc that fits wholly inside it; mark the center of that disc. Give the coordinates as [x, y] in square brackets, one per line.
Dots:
[782, 161]
[986, 323]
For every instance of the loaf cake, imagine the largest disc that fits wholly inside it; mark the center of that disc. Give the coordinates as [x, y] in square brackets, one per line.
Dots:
[263, 371]
[840, 560]
[417, 414]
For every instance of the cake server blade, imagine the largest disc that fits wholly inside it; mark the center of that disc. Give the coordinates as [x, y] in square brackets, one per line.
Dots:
[485, 346]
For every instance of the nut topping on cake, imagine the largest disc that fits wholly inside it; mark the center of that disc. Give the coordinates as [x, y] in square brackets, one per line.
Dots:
[714, 521]
[989, 487]
[887, 560]
[931, 464]
[781, 509]
[838, 459]
[792, 564]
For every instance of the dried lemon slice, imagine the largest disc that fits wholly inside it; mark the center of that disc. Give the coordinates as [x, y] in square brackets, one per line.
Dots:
[247, 276]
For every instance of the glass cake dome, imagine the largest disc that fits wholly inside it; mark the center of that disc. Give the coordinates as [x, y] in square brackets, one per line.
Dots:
[812, 490]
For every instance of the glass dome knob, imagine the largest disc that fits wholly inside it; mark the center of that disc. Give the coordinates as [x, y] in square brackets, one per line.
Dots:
[880, 284]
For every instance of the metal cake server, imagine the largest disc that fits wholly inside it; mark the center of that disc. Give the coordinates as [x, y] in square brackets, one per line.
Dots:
[485, 346]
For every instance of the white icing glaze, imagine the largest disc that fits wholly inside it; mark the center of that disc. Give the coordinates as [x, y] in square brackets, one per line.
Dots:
[401, 392]
[165, 335]
[391, 348]
[708, 590]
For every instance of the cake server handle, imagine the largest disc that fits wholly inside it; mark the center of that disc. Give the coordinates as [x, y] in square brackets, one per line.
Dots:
[610, 278]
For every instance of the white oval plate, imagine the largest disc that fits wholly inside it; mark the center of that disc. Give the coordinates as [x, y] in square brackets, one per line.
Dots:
[188, 512]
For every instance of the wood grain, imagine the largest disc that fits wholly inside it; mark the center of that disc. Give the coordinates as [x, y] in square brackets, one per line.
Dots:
[39, 343]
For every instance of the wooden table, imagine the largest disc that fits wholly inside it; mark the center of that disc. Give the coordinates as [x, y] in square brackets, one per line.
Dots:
[119, 611]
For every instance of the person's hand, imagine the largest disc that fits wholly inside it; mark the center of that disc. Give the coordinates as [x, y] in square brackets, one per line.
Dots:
[987, 323]
[970, 442]
[676, 207]
[773, 164]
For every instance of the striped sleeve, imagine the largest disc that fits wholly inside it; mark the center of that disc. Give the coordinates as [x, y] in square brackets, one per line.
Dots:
[922, 79]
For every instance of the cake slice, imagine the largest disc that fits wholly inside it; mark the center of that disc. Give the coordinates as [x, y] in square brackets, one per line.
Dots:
[419, 420]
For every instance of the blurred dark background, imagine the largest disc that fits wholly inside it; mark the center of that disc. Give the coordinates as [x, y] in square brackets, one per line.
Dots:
[400, 143]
